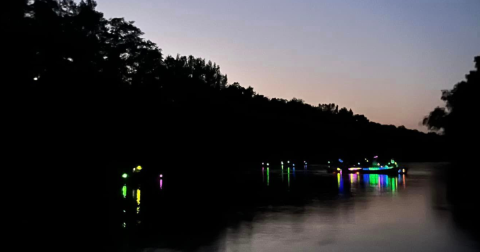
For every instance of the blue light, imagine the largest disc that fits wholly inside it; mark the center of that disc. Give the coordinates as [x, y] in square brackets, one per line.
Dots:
[339, 160]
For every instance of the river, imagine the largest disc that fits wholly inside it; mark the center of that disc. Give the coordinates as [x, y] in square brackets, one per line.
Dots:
[301, 210]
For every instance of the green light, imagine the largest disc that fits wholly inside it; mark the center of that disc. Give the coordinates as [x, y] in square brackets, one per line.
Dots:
[124, 191]
[268, 176]
[394, 184]
[125, 175]
[288, 177]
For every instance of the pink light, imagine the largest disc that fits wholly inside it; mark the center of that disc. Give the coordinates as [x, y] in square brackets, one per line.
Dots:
[354, 169]
[161, 184]
[161, 175]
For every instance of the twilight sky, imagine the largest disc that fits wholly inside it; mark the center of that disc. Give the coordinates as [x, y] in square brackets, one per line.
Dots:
[386, 59]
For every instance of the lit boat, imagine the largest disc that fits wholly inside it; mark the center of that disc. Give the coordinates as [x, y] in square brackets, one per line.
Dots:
[377, 170]
[375, 167]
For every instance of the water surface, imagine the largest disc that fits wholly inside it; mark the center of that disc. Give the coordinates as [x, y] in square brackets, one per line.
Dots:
[301, 210]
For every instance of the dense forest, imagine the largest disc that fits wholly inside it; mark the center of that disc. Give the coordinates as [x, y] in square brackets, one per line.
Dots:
[83, 86]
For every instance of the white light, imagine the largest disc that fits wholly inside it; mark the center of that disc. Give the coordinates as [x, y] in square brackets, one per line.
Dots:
[35, 79]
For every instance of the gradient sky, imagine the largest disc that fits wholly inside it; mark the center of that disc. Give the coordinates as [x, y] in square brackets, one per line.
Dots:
[386, 59]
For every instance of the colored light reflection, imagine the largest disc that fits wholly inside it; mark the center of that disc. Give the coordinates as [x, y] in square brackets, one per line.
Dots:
[379, 181]
[354, 169]
[124, 191]
[161, 184]
[288, 178]
[268, 176]
[138, 196]
[353, 179]
[394, 184]
[340, 182]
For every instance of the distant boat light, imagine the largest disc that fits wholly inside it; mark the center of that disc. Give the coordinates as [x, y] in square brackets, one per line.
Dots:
[125, 175]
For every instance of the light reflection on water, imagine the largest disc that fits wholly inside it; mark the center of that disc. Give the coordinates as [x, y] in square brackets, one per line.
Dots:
[371, 212]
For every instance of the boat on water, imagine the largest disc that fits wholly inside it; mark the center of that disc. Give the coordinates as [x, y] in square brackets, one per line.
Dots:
[374, 167]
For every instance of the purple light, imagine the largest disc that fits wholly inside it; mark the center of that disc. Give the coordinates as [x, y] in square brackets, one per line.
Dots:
[161, 184]
[161, 175]
[375, 157]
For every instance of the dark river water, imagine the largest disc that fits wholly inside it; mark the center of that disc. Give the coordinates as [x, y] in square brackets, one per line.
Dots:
[301, 210]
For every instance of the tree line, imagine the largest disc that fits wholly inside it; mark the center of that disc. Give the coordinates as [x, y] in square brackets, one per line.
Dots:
[92, 86]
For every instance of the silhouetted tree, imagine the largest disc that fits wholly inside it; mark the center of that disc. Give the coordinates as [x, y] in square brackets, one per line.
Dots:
[457, 119]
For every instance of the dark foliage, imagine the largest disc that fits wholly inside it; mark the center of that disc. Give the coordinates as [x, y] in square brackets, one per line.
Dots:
[457, 119]
[83, 86]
